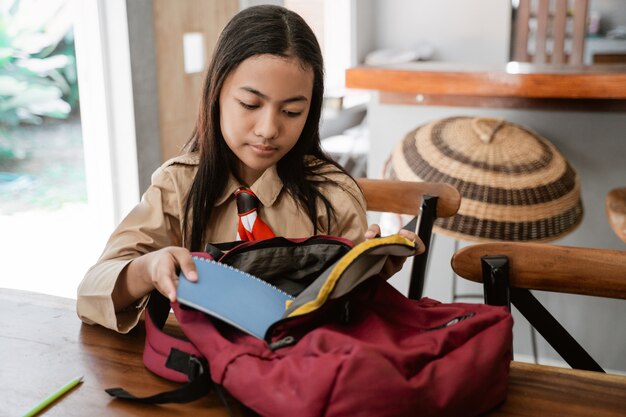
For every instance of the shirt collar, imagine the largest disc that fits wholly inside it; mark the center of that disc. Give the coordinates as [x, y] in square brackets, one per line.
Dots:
[266, 188]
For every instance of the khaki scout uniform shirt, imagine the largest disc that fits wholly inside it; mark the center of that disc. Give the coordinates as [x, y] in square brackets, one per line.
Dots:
[156, 222]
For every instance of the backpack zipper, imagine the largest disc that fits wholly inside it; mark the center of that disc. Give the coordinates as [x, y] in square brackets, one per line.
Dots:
[281, 343]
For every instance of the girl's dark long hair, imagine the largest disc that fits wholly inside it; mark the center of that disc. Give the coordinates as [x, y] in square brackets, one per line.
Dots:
[254, 31]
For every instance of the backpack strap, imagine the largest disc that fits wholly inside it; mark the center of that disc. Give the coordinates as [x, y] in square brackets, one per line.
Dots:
[199, 383]
[217, 250]
[172, 358]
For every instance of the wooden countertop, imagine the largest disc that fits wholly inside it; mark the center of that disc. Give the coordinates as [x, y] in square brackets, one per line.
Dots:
[511, 80]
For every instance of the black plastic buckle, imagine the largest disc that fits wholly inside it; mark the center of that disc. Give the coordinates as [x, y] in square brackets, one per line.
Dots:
[186, 363]
[195, 367]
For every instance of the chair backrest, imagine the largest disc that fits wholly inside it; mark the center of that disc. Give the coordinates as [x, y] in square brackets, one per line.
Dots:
[425, 200]
[550, 31]
[509, 270]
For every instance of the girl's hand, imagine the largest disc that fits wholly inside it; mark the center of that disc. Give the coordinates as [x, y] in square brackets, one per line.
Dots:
[163, 265]
[154, 270]
[374, 231]
[394, 263]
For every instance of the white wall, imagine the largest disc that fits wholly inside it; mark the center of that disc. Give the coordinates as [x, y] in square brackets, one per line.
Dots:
[593, 143]
[461, 31]
[612, 12]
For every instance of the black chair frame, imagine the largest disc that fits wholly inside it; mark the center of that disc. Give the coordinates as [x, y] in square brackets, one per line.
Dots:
[497, 291]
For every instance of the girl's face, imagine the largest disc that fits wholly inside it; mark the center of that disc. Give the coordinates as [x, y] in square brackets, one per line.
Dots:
[264, 104]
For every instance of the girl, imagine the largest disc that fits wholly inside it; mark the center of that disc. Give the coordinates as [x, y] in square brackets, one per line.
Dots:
[258, 127]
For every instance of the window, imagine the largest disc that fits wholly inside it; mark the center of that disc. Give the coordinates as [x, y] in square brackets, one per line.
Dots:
[333, 23]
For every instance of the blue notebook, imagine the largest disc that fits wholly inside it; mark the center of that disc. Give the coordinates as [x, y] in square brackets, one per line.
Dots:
[236, 297]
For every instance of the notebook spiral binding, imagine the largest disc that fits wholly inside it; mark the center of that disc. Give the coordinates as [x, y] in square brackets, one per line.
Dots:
[244, 273]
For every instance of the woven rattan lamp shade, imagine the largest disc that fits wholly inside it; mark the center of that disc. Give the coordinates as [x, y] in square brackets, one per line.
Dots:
[515, 185]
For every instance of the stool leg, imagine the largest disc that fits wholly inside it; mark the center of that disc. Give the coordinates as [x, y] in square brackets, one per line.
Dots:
[454, 276]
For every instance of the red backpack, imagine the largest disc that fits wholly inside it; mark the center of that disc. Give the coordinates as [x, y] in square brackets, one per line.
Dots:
[348, 344]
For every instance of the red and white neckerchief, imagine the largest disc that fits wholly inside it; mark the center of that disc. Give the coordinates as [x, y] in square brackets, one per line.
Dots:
[250, 227]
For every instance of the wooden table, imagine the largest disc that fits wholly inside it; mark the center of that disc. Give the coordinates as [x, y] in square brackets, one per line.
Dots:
[43, 344]
[512, 85]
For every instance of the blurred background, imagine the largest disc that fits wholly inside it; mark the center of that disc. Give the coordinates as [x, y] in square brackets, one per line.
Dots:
[96, 94]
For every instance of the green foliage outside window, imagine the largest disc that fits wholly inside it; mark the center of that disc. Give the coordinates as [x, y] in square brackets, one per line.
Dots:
[37, 66]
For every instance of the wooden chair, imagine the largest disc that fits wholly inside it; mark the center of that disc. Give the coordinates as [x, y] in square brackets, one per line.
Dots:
[509, 270]
[541, 34]
[616, 211]
[425, 200]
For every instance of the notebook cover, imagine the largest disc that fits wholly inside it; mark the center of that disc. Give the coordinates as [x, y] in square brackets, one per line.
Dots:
[236, 297]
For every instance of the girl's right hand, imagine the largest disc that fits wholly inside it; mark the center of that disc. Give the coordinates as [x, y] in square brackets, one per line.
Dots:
[162, 267]
[154, 270]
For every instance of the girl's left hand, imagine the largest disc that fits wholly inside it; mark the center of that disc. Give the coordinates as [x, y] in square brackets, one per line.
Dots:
[374, 231]
[394, 263]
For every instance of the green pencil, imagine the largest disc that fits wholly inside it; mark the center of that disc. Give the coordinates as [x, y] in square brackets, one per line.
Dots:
[54, 396]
